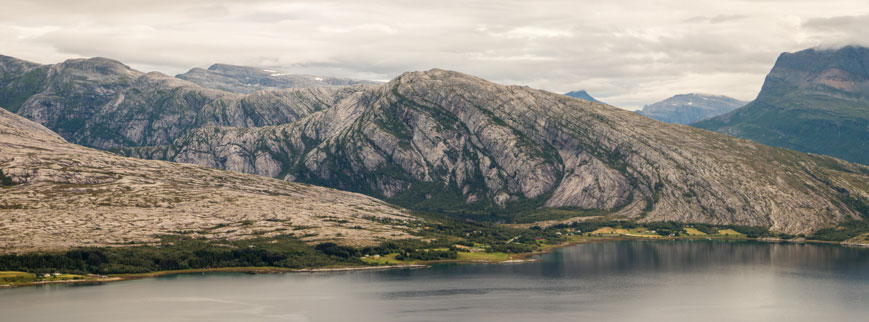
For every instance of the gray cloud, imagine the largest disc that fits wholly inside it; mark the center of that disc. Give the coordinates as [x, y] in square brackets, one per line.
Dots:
[625, 52]
[839, 31]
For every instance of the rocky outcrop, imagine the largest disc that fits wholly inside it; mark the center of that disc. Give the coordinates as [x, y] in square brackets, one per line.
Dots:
[812, 101]
[690, 108]
[443, 140]
[68, 196]
[245, 80]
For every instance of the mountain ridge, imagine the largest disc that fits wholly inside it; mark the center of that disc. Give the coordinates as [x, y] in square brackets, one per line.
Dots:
[81, 98]
[246, 80]
[546, 166]
[689, 108]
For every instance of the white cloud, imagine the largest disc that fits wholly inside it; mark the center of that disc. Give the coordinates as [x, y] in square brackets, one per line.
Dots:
[625, 52]
[533, 32]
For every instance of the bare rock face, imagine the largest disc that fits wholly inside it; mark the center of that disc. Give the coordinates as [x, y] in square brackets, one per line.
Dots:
[66, 196]
[443, 140]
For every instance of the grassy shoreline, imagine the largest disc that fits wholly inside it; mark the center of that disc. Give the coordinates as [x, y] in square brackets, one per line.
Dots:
[249, 270]
[391, 263]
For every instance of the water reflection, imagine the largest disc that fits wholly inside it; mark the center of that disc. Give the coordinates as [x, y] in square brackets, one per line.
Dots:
[613, 281]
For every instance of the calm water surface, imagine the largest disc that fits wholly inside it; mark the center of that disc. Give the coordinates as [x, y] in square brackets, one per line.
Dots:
[614, 281]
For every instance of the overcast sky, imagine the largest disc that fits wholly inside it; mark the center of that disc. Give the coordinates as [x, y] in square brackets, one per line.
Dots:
[626, 53]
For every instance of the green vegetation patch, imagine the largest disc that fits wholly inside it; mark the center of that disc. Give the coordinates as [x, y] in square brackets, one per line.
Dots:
[5, 181]
[483, 256]
[178, 254]
[388, 259]
[439, 238]
[12, 277]
[730, 232]
[667, 228]
[556, 214]
[694, 232]
[844, 231]
[808, 123]
[14, 92]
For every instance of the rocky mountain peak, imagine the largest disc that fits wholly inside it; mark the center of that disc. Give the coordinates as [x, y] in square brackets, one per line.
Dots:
[816, 61]
[96, 69]
[582, 94]
[434, 74]
[842, 73]
[226, 67]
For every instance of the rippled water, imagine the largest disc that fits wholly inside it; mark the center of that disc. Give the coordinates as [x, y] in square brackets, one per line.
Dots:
[613, 281]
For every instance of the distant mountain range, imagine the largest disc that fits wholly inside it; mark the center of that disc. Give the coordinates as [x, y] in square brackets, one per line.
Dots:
[689, 108]
[813, 101]
[446, 142]
[582, 94]
[245, 80]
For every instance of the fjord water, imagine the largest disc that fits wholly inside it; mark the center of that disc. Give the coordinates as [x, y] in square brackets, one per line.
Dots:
[611, 281]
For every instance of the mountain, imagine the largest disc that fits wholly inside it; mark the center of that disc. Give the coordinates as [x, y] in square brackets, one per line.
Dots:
[57, 195]
[689, 108]
[105, 104]
[582, 94]
[813, 101]
[245, 80]
[19, 80]
[445, 141]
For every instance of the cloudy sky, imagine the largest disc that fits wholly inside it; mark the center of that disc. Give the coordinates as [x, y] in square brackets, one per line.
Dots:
[624, 52]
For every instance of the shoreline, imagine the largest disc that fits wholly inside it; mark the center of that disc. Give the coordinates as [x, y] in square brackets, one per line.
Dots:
[249, 270]
[516, 259]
